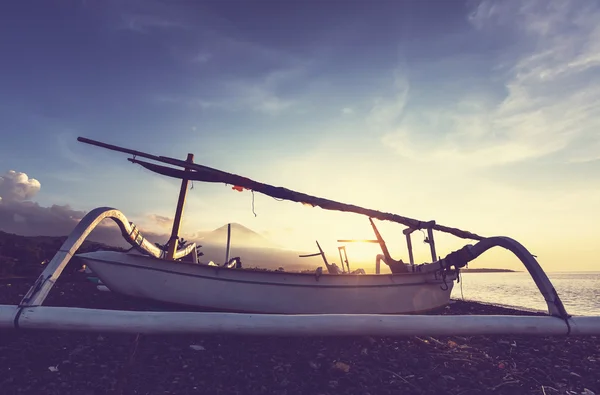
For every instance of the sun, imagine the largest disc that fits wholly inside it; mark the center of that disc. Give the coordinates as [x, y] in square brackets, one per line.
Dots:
[359, 253]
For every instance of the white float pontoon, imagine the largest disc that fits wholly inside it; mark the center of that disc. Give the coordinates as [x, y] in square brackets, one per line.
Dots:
[278, 302]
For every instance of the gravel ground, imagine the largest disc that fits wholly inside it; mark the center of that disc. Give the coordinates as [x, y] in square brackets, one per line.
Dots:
[93, 364]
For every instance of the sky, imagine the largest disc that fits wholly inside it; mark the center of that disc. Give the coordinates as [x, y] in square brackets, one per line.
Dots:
[482, 115]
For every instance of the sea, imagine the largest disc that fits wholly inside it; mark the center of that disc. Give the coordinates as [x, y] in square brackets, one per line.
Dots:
[579, 291]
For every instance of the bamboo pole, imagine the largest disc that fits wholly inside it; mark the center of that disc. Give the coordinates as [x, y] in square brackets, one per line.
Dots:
[431, 245]
[228, 243]
[410, 249]
[152, 322]
[174, 240]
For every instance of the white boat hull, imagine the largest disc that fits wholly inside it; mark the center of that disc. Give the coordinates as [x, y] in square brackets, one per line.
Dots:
[242, 290]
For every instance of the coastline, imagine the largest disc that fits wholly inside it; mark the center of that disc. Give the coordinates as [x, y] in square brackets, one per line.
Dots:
[90, 363]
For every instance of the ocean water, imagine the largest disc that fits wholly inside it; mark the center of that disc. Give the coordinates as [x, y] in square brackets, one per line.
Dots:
[579, 291]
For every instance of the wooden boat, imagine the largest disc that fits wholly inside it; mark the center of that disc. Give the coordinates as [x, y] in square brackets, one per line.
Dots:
[403, 291]
[323, 304]
[258, 291]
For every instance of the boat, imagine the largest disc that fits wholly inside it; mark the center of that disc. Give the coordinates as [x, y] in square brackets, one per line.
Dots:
[335, 301]
[226, 288]
[215, 288]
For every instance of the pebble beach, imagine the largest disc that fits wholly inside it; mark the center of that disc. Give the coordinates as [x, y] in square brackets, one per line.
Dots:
[56, 362]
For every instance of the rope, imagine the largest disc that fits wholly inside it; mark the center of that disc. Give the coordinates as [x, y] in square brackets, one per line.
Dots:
[253, 212]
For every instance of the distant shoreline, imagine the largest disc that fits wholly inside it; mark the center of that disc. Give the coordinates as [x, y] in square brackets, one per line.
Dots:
[484, 270]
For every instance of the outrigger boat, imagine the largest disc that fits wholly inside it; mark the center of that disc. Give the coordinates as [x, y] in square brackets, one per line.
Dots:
[335, 302]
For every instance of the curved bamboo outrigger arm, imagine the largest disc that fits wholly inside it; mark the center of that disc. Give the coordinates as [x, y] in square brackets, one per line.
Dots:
[461, 257]
[44, 283]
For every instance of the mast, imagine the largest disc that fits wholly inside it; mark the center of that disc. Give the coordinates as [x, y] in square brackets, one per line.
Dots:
[174, 240]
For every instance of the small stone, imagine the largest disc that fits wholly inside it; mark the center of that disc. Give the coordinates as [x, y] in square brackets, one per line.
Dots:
[197, 347]
[342, 366]
[284, 382]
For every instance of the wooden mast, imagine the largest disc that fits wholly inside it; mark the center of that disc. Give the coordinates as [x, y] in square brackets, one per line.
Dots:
[174, 240]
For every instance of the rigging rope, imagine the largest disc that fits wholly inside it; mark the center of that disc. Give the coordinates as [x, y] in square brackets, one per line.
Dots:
[253, 212]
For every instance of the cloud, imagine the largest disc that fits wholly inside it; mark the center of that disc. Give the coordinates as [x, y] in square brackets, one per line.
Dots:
[347, 111]
[259, 97]
[145, 16]
[65, 141]
[146, 23]
[264, 94]
[161, 221]
[28, 218]
[17, 186]
[243, 75]
[20, 215]
[551, 104]
[387, 111]
[202, 57]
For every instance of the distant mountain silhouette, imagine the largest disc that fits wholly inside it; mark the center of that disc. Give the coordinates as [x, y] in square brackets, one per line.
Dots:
[241, 236]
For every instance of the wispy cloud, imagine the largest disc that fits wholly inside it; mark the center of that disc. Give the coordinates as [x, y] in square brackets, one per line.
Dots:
[202, 57]
[552, 99]
[262, 94]
[146, 16]
[259, 96]
[389, 110]
[161, 221]
[140, 23]
[64, 141]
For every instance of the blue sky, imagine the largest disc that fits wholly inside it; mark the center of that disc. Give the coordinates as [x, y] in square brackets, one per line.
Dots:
[480, 114]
